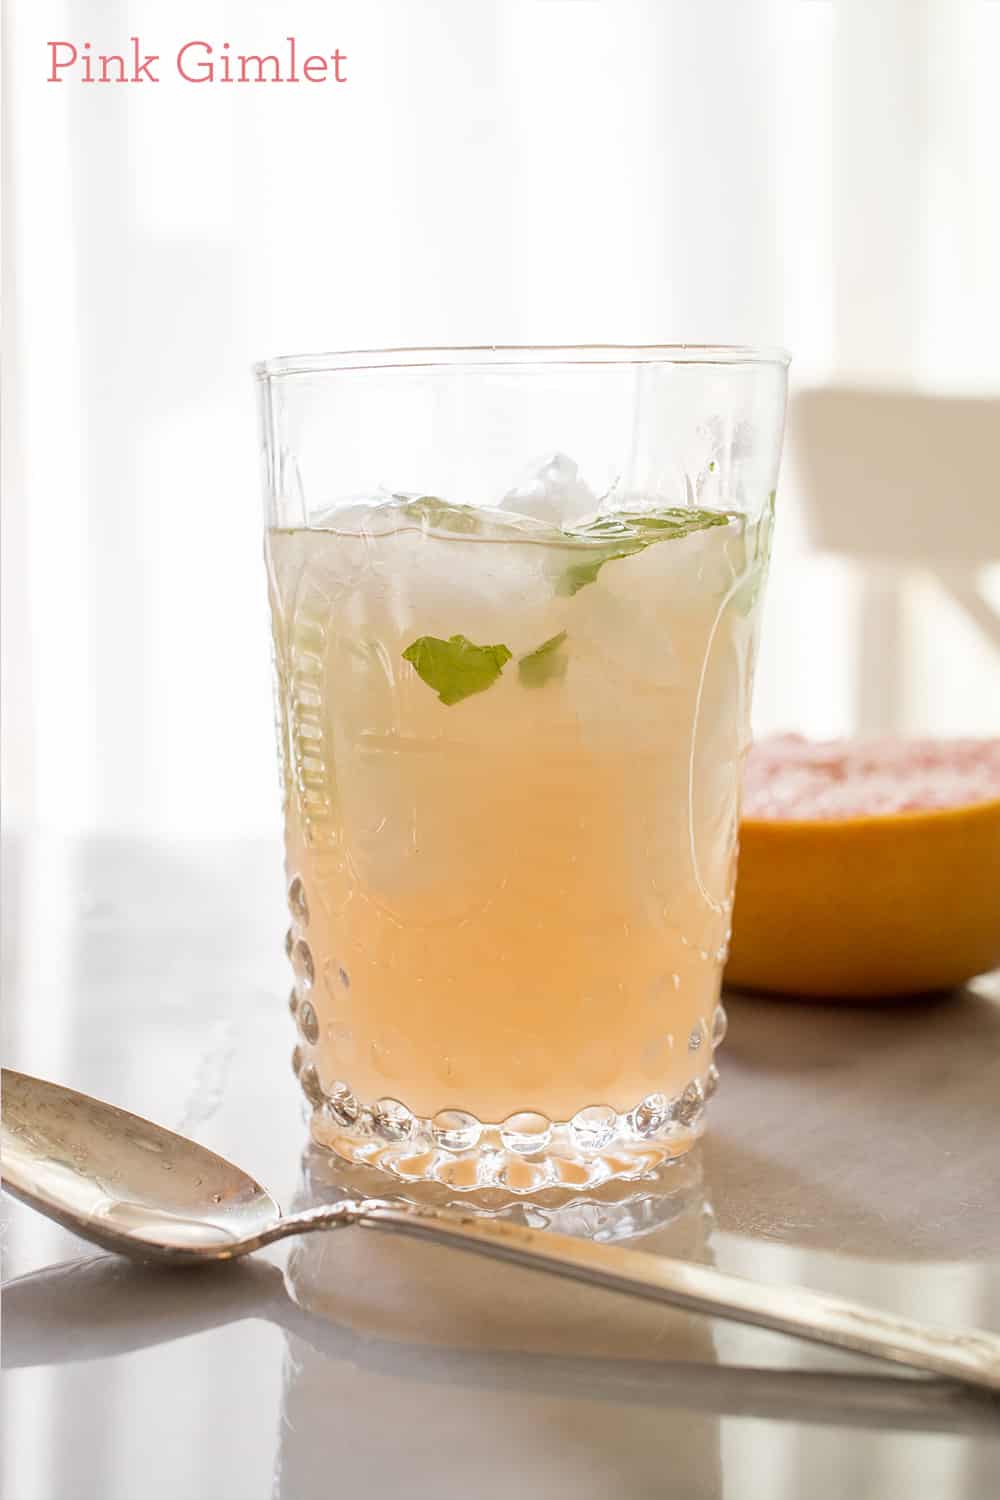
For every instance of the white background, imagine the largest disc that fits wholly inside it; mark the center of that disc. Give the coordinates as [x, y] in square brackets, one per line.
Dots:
[818, 173]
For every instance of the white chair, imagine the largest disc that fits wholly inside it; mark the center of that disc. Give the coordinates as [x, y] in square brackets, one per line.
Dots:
[897, 481]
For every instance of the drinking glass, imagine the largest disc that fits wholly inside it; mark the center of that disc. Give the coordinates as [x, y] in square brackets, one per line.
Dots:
[515, 596]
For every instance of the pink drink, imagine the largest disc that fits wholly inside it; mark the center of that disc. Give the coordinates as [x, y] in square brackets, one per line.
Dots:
[511, 911]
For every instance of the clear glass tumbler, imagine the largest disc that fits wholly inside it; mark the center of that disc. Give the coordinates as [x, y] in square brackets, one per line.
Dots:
[515, 596]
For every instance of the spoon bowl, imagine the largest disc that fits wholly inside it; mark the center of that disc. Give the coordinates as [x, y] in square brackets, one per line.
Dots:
[135, 1188]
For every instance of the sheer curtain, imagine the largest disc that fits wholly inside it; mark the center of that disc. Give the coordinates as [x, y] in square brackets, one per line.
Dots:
[814, 172]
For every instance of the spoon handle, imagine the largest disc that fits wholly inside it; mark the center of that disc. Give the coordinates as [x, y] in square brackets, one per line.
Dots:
[971, 1356]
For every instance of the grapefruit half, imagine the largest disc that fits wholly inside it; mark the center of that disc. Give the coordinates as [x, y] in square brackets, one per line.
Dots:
[867, 869]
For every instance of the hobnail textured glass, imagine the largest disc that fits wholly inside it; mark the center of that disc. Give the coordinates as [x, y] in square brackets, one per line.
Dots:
[509, 914]
[524, 1154]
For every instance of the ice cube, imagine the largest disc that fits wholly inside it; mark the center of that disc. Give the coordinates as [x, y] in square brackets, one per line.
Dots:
[360, 515]
[383, 515]
[493, 589]
[553, 491]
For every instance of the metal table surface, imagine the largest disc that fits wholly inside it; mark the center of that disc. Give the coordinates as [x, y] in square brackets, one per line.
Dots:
[850, 1149]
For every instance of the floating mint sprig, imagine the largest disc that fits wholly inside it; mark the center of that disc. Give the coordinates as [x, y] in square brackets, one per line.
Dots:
[456, 668]
[436, 514]
[545, 663]
[749, 590]
[629, 532]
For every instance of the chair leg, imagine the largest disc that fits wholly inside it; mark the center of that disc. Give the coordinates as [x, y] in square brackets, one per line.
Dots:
[964, 587]
[879, 691]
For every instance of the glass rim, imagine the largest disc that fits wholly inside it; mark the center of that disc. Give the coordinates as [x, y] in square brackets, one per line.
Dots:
[486, 356]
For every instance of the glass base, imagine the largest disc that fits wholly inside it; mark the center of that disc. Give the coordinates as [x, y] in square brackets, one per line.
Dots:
[672, 1193]
[525, 1154]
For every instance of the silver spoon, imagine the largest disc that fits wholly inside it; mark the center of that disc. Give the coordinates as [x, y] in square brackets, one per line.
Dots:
[100, 1307]
[142, 1191]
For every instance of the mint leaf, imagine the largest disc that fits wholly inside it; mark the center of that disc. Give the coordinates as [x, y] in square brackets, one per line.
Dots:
[544, 663]
[634, 531]
[441, 515]
[677, 520]
[749, 590]
[578, 575]
[456, 668]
